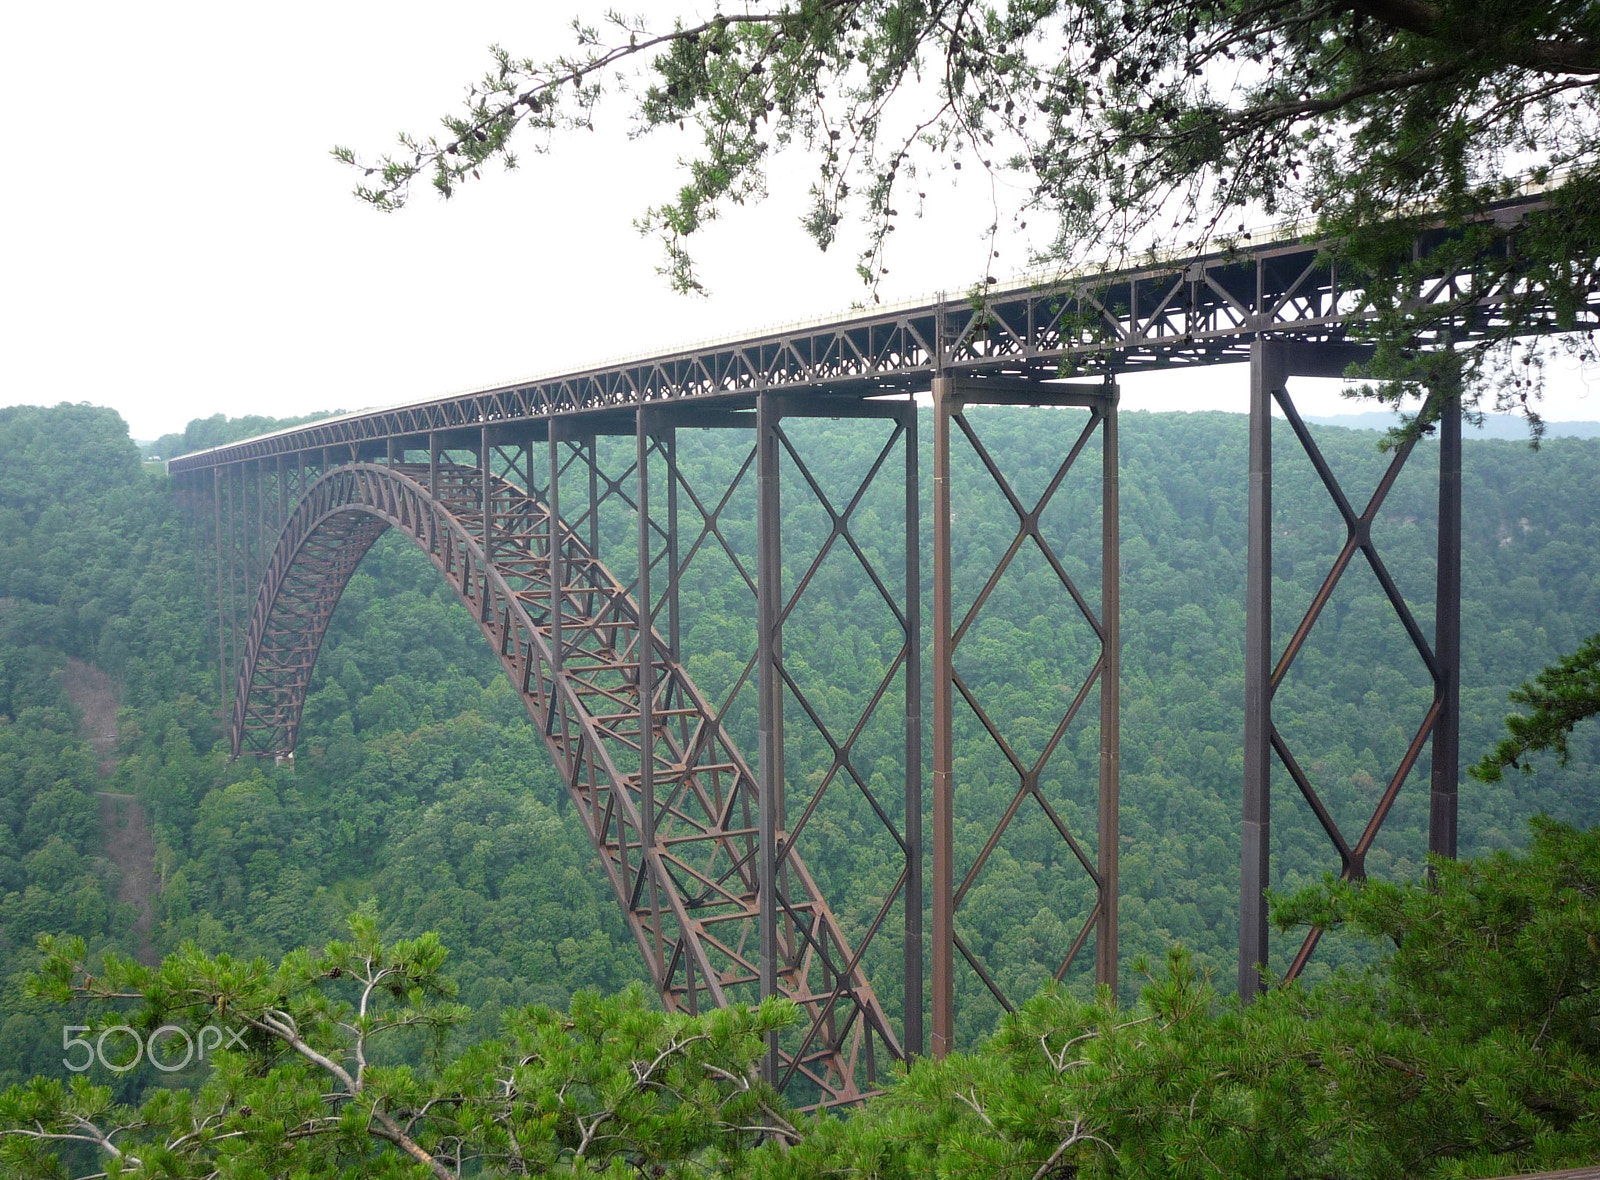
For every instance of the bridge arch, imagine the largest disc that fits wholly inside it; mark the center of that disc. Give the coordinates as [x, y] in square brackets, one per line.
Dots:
[685, 873]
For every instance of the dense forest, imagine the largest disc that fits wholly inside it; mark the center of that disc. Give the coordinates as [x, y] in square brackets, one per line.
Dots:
[419, 783]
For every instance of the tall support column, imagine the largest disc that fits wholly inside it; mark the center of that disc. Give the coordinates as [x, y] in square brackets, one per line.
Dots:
[245, 514]
[669, 437]
[222, 618]
[1267, 369]
[644, 645]
[1447, 639]
[594, 497]
[256, 548]
[943, 933]
[263, 534]
[486, 476]
[558, 570]
[913, 834]
[433, 466]
[233, 564]
[645, 654]
[770, 701]
[1109, 837]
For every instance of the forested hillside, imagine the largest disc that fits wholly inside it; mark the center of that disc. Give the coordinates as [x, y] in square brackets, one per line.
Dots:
[420, 784]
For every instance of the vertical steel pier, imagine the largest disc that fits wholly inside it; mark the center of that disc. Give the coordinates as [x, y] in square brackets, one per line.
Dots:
[1266, 378]
[769, 571]
[951, 396]
[1272, 363]
[1447, 638]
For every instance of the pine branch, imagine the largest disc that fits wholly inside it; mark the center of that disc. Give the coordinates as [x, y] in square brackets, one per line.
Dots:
[1561, 696]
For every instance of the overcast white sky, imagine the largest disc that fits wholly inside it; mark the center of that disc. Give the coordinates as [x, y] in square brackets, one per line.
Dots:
[178, 241]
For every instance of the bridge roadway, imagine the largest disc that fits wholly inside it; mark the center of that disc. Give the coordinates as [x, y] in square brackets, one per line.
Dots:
[703, 850]
[1204, 309]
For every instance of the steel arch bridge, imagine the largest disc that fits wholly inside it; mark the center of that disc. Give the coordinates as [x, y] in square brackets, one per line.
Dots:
[673, 817]
[702, 846]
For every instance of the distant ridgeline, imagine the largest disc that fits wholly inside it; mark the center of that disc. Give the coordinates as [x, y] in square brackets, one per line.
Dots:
[420, 782]
[1511, 426]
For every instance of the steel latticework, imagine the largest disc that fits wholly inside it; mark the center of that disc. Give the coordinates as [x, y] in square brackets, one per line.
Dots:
[951, 397]
[666, 797]
[506, 489]
[1272, 364]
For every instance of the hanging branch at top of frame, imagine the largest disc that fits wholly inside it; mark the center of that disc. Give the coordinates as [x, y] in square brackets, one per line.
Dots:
[1125, 126]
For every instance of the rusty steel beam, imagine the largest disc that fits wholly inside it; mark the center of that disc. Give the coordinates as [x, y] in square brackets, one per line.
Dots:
[645, 654]
[1447, 638]
[914, 998]
[769, 756]
[943, 932]
[1266, 377]
[222, 625]
[1109, 829]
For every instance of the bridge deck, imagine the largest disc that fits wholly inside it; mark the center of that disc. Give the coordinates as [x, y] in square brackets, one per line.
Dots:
[1197, 310]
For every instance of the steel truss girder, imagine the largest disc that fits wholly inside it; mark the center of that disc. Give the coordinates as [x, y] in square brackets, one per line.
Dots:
[1272, 363]
[1199, 310]
[950, 398]
[571, 645]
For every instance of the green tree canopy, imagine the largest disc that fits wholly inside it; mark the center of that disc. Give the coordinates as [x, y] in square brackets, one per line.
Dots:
[315, 1078]
[1472, 1052]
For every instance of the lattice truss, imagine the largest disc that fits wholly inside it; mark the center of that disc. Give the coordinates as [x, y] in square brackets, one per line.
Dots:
[1358, 526]
[1028, 771]
[845, 730]
[1194, 310]
[670, 804]
[990, 739]
[688, 541]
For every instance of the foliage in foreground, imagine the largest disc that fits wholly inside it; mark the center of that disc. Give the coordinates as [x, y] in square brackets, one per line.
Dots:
[1475, 1052]
[324, 1084]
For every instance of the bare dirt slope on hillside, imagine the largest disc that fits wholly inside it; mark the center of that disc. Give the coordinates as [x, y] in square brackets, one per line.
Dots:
[96, 702]
[124, 832]
[127, 841]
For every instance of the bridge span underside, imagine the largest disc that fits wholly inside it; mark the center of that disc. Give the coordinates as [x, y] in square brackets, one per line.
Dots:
[703, 845]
